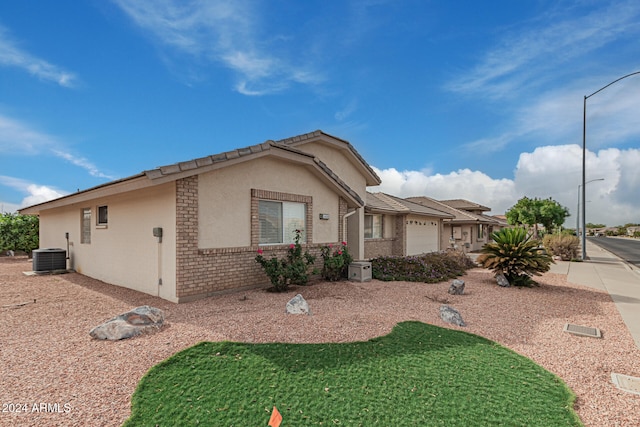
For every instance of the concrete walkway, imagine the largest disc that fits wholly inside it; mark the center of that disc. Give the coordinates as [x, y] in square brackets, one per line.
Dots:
[603, 270]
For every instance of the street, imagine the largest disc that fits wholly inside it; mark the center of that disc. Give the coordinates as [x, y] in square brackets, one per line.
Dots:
[627, 249]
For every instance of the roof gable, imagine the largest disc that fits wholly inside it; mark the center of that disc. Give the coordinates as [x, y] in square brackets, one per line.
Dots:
[372, 179]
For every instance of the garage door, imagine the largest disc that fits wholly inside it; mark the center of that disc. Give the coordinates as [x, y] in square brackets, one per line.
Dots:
[422, 235]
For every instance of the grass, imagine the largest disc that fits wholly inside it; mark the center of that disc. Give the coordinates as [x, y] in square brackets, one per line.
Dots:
[419, 374]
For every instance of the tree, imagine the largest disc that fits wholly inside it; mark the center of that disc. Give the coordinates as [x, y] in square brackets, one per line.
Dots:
[533, 212]
[591, 225]
[19, 232]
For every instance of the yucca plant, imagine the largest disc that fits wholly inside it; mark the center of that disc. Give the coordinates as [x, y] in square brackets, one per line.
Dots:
[516, 255]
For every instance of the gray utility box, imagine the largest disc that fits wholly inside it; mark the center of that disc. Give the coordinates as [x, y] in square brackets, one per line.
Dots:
[360, 271]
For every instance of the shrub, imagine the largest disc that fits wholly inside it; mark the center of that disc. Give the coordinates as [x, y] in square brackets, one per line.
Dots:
[335, 264]
[564, 246]
[516, 255]
[429, 268]
[290, 270]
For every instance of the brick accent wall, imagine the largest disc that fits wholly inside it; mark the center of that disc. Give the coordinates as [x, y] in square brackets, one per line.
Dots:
[205, 272]
[378, 247]
[400, 243]
[343, 209]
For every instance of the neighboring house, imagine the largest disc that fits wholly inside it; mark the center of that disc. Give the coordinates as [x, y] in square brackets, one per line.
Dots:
[469, 229]
[633, 231]
[189, 230]
[501, 222]
[395, 226]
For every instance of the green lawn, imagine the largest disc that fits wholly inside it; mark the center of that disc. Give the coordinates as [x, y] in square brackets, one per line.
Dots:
[419, 375]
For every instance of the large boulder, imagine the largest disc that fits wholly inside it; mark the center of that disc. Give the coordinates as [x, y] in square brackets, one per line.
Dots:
[457, 287]
[140, 320]
[298, 305]
[451, 315]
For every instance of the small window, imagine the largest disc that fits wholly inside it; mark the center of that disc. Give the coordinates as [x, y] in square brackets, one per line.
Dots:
[102, 215]
[480, 231]
[280, 220]
[85, 231]
[373, 226]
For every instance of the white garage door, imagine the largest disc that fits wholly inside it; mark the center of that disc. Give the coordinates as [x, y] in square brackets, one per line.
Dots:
[422, 235]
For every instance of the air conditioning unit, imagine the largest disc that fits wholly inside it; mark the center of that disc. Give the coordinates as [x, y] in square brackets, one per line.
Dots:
[50, 259]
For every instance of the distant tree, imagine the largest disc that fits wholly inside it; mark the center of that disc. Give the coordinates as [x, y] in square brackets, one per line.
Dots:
[534, 212]
[591, 225]
[19, 232]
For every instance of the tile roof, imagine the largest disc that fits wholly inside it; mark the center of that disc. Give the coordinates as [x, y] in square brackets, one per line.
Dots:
[464, 205]
[459, 215]
[191, 167]
[388, 203]
[245, 152]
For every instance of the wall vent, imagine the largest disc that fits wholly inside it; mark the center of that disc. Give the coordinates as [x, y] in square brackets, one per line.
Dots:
[50, 259]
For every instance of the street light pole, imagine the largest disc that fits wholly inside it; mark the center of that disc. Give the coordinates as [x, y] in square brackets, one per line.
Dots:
[578, 216]
[584, 157]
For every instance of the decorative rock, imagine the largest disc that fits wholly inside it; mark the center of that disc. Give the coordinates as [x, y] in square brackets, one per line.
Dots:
[138, 321]
[457, 287]
[451, 315]
[502, 280]
[298, 305]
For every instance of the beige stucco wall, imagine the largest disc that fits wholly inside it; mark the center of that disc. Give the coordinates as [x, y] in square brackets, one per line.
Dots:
[125, 252]
[339, 163]
[225, 200]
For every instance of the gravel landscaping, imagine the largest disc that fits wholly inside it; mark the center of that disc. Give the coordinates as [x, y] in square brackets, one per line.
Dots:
[54, 374]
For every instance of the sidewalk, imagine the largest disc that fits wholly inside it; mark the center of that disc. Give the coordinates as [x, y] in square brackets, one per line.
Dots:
[605, 271]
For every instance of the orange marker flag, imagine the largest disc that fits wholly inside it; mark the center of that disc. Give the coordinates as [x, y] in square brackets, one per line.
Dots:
[275, 419]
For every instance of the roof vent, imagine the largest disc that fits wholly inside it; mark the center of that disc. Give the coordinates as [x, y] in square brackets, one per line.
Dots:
[51, 259]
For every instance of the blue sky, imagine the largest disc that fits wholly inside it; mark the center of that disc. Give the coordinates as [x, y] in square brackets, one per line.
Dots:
[448, 99]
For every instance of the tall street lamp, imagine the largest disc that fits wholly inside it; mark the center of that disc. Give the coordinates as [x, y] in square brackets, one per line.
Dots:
[584, 156]
[578, 215]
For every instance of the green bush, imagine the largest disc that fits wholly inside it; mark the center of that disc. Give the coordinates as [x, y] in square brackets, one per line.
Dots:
[429, 268]
[335, 262]
[19, 232]
[291, 270]
[516, 255]
[564, 246]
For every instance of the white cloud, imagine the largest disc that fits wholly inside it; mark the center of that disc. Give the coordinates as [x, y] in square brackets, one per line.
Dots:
[34, 193]
[83, 163]
[17, 138]
[12, 56]
[551, 171]
[224, 32]
[520, 59]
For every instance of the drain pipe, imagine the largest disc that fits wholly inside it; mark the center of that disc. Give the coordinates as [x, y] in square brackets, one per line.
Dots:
[344, 224]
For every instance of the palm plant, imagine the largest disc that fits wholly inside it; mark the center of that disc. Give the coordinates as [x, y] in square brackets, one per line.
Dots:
[516, 255]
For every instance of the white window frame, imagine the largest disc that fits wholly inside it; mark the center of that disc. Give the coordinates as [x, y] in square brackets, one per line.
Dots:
[375, 228]
[289, 221]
